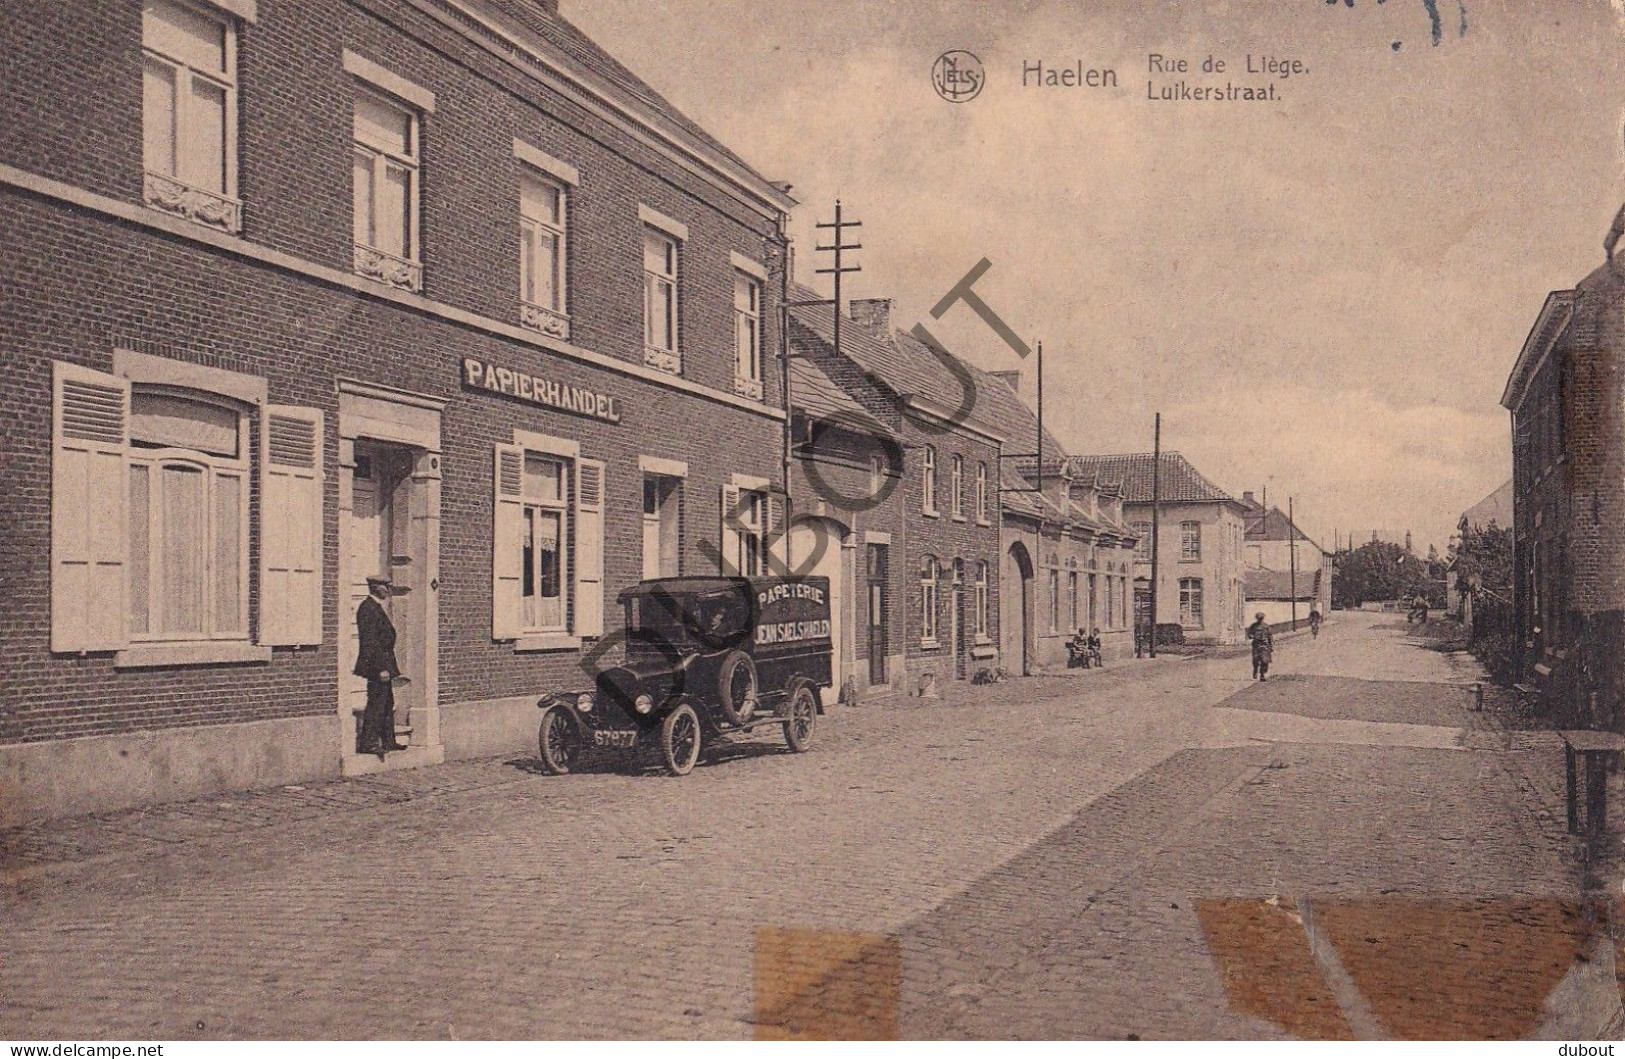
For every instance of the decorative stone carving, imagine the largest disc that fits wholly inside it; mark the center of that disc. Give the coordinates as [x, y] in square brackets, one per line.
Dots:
[664, 359]
[547, 321]
[751, 388]
[204, 207]
[387, 268]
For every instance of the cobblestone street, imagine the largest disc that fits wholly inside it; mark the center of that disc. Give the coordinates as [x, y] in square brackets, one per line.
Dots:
[1160, 849]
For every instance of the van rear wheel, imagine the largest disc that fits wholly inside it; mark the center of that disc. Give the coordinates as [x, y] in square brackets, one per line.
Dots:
[800, 719]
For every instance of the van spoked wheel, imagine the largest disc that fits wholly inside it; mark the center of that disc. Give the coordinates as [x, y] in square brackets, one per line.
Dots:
[558, 741]
[680, 740]
[736, 687]
[800, 719]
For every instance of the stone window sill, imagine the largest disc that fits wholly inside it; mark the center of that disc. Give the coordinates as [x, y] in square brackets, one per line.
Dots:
[931, 513]
[667, 360]
[207, 208]
[397, 272]
[546, 321]
[207, 653]
[552, 641]
[984, 651]
[930, 645]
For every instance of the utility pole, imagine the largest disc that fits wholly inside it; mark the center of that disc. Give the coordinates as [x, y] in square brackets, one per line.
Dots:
[839, 247]
[1292, 558]
[1156, 523]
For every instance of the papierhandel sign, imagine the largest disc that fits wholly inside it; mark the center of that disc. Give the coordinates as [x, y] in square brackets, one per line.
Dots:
[549, 393]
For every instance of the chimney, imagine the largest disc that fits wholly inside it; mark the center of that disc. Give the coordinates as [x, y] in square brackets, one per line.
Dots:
[873, 313]
[1247, 498]
[1011, 377]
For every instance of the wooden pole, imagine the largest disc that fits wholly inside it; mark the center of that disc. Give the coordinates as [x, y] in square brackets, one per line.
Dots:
[1156, 524]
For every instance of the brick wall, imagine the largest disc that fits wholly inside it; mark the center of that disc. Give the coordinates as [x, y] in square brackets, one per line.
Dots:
[76, 284]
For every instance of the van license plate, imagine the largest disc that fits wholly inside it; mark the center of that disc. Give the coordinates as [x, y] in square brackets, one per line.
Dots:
[620, 740]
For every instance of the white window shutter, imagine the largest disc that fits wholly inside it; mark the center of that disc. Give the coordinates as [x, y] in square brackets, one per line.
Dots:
[507, 540]
[89, 510]
[728, 538]
[291, 483]
[589, 548]
[778, 537]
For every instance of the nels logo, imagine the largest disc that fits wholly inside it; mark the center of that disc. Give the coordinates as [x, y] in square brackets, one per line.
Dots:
[958, 76]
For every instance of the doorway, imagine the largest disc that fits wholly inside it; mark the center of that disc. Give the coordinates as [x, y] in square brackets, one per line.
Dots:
[818, 546]
[389, 523]
[1016, 615]
[876, 562]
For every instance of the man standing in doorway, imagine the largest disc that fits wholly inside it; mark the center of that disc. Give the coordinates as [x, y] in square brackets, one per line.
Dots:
[376, 662]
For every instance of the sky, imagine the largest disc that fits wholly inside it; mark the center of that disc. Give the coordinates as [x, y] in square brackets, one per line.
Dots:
[1323, 295]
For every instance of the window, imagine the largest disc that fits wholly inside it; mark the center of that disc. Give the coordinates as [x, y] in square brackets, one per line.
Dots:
[1072, 597]
[150, 521]
[542, 255]
[1190, 602]
[929, 503]
[752, 519]
[877, 474]
[981, 601]
[747, 336]
[188, 490]
[928, 601]
[1055, 601]
[384, 161]
[1142, 546]
[189, 113]
[957, 481]
[1111, 602]
[660, 320]
[662, 546]
[981, 493]
[1094, 600]
[1190, 542]
[543, 599]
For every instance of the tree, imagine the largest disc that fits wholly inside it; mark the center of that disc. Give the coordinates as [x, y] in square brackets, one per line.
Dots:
[1483, 557]
[1378, 572]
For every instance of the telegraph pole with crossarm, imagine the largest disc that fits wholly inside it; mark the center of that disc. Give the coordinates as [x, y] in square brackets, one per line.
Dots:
[839, 247]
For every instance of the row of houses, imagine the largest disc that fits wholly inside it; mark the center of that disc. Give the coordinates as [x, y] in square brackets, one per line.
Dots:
[298, 294]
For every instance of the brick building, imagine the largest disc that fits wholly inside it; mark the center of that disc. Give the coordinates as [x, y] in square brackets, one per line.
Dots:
[942, 556]
[1067, 554]
[1565, 397]
[299, 293]
[1200, 554]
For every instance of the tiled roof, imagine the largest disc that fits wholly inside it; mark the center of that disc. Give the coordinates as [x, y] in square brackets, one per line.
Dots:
[901, 362]
[1277, 584]
[812, 393]
[1180, 482]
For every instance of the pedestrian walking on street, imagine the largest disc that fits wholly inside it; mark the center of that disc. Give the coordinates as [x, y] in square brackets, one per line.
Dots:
[376, 661]
[1263, 641]
[1315, 618]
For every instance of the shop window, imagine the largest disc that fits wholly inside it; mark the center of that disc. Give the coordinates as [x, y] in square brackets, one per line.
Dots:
[384, 162]
[929, 575]
[660, 304]
[1190, 602]
[543, 279]
[747, 336]
[662, 503]
[547, 546]
[189, 113]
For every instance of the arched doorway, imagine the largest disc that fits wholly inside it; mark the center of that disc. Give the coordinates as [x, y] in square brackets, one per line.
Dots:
[1016, 609]
[818, 547]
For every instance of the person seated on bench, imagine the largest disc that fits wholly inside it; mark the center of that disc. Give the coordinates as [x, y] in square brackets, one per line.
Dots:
[1077, 650]
[1093, 644]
